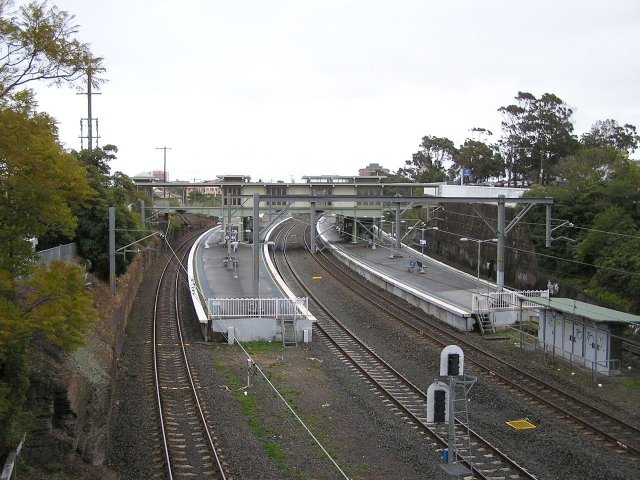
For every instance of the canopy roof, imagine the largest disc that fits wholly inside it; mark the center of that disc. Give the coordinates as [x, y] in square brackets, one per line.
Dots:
[582, 309]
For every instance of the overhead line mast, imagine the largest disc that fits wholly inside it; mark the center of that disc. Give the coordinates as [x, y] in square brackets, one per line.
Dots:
[89, 120]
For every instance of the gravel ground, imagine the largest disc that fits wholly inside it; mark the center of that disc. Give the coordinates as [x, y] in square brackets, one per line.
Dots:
[261, 439]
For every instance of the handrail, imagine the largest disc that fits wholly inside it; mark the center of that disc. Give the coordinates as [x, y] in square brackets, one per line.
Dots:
[257, 308]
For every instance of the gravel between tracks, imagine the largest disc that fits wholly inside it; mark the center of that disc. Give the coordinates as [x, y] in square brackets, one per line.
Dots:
[260, 439]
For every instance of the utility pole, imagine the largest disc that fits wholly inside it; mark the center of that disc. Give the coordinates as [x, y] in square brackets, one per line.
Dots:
[164, 175]
[89, 118]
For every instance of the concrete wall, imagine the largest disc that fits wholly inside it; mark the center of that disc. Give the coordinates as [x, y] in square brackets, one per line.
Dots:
[260, 329]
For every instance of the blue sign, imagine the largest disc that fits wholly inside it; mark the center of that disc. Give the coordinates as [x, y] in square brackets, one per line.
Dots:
[467, 172]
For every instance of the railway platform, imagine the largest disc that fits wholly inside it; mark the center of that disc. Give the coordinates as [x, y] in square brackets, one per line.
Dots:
[228, 273]
[221, 273]
[438, 289]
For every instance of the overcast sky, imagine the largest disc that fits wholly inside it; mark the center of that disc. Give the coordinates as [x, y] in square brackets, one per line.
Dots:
[279, 89]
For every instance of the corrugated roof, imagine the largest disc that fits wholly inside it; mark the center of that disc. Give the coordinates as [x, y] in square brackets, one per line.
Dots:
[586, 310]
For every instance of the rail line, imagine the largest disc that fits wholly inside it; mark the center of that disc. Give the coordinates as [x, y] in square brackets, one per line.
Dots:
[189, 449]
[620, 435]
[482, 458]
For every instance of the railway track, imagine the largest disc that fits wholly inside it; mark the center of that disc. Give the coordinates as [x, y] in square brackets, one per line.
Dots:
[478, 455]
[619, 435]
[187, 442]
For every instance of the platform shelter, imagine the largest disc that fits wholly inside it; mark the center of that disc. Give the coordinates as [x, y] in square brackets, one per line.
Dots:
[583, 333]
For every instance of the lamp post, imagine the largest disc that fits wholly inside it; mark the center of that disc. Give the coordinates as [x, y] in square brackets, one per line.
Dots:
[479, 242]
[422, 240]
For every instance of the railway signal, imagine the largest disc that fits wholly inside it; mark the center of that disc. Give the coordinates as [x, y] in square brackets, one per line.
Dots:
[446, 400]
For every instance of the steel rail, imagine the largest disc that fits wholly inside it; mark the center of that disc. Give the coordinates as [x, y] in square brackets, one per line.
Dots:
[156, 368]
[535, 382]
[413, 406]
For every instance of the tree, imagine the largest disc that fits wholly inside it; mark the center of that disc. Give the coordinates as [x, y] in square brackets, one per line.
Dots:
[590, 165]
[51, 303]
[617, 230]
[40, 185]
[609, 133]
[600, 197]
[537, 132]
[430, 162]
[117, 191]
[196, 197]
[38, 43]
[481, 159]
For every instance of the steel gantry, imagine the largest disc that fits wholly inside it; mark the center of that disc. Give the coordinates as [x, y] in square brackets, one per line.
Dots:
[349, 204]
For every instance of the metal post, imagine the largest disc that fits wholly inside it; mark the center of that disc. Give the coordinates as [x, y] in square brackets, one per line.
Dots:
[312, 232]
[451, 457]
[501, 242]
[142, 217]
[398, 236]
[112, 250]
[90, 119]
[354, 230]
[478, 276]
[548, 226]
[256, 245]
[228, 227]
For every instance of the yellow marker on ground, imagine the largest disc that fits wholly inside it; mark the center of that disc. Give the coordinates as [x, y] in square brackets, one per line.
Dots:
[316, 278]
[521, 424]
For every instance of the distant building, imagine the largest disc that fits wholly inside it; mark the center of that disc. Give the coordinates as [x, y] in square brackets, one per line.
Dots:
[159, 175]
[372, 169]
[143, 177]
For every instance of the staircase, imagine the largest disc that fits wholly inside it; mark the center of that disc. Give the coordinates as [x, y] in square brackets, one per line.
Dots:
[486, 323]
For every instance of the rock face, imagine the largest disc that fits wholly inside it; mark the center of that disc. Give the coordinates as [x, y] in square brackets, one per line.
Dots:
[72, 394]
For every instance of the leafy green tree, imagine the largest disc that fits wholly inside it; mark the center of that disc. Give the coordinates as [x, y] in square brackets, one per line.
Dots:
[93, 230]
[590, 164]
[600, 197]
[40, 185]
[52, 303]
[196, 197]
[613, 247]
[537, 132]
[430, 162]
[481, 159]
[37, 43]
[609, 133]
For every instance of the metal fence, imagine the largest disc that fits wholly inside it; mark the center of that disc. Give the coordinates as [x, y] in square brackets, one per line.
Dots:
[61, 252]
[257, 307]
[505, 300]
[591, 367]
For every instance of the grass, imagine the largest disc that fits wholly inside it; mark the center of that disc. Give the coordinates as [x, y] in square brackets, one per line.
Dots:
[258, 419]
[630, 384]
[251, 408]
[264, 347]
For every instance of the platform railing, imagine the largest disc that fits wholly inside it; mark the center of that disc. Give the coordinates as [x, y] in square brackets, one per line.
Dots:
[257, 308]
[505, 300]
